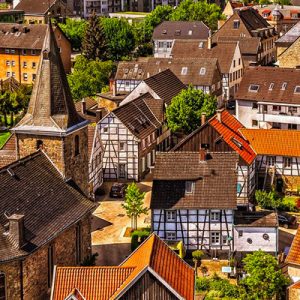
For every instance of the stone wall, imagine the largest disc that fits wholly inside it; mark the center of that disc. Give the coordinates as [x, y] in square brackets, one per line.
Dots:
[290, 58]
[35, 272]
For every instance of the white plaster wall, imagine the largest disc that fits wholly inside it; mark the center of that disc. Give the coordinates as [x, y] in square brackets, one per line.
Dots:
[244, 113]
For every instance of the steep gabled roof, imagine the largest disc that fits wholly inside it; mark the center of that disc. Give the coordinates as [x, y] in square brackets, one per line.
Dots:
[51, 107]
[35, 7]
[291, 36]
[294, 253]
[34, 188]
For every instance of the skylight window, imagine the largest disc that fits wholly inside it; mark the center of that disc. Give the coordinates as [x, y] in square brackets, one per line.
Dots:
[271, 86]
[177, 32]
[184, 71]
[201, 44]
[297, 89]
[284, 85]
[253, 88]
[190, 32]
[202, 71]
[164, 31]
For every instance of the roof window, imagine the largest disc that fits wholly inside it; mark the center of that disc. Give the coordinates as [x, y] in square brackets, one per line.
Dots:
[202, 71]
[283, 87]
[271, 86]
[253, 88]
[297, 89]
[177, 32]
[236, 24]
[190, 32]
[237, 143]
[164, 31]
[201, 44]
[184, 71]
[126, 71]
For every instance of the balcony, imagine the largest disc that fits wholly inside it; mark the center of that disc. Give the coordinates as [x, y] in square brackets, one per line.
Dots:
[278, 118]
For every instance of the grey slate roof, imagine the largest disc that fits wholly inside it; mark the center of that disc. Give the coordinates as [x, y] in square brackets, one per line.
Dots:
[291, 36]
[36, 7]
[215, 180]
[51, 107]
[49, 204]
[256, 219]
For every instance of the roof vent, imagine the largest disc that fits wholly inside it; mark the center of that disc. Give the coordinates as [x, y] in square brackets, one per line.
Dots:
[11, 172]
[164, 31]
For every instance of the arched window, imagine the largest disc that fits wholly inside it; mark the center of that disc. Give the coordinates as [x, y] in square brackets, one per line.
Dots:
[39, 144]
[76, 145]
[2, 286]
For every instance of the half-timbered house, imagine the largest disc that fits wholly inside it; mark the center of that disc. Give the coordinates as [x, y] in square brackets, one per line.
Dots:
[153, 271]
[194, 198]
[221, 133]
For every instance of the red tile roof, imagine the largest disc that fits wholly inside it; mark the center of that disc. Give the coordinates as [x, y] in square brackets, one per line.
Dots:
[294, 254]
[229, 129]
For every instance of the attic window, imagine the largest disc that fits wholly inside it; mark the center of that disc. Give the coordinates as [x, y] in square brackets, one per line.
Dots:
[190, 32]
[271, 86]
[237, 143]
[177, 32]
[283, 87]
[236, 24]
[201, 44]
[126, 71]
[297, 89]
[202, 71]
[164, 31]
[253, 88]
[184, 71]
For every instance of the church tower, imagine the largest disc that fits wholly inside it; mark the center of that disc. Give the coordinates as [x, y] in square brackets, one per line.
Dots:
[51, 122]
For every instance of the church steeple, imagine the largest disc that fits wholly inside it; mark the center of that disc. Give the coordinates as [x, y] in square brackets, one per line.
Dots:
[51, 107]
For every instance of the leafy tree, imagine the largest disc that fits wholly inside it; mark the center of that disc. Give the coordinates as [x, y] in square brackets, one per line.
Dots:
[89, 77]
[74, 30]
[265, 278]
[134, 201]
[264, 2]
[94, 41]
[283, 2]
[184, 112]
[268, 200]
[120, 38]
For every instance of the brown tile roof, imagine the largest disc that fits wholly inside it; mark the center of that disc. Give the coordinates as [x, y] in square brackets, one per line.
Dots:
[273, 141]
[180, 30]
[294, 253]
[7, 157]
[10, 144]
[105, 283]
[51, 107]
[291, 36]
[91, 107]
[256, 219]
[93, 282]
[264, 76]
[9, 84]
[137, 116]
[224, 52]
[215, 180]
[153, 66]
[33, 187]
[35, 7]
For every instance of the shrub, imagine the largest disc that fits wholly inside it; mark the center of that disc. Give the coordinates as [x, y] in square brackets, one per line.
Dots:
[197, 255]
[138, 236]
[268, 200]
[202, 284]
[224, 286]
[288, 204]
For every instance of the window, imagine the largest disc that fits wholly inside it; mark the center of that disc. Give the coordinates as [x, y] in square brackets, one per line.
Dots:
[39, 144]
[7, 74]
[12, 51]
[23, 51]
[238, 188]
[105, 129]
[33, 65]
[240, 233]
[189, 187]
[225, 240]
[170, 215]
[276, 125]
[254, 105]
[13, 63]
[271, 86]
[292, 126]
[2, 286]
[78, 243]
[190, 32]
[184, 71]
[234, 63]
[239, 61]
[293, 109]
[202, 71]
[271, 160]
[13, 74]
[215, 216]
[33, 52]
[7, 63]
[25, 76]
[215, 238]
[6, 51]
[287, 162]
[24, 64]
[171, 235]
[33, 77]
[201, 44]
[254, 123]
[284, 85]
[50, 264]
[236, 24]
[297, 89]
[76, 145]
[276, 108]
[253, 88]
[122, 146]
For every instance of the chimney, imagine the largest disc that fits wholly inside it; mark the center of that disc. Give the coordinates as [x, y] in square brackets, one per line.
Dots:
[209, 40]
[98, 115]
[203, 118]
[83, 106]
[25, 29]
[202, 154]
[219, 115]
[16, 229]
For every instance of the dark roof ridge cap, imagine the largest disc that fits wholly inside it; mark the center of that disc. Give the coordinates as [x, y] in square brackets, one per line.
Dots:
[147, 94]
[95, 267]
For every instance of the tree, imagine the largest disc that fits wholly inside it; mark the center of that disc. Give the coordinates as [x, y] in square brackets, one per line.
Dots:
[134, 201]
[120, 38]
[89, 77]
[184, 112]
[94, 41]
[74, 30]
[268, 200]
[265, 278]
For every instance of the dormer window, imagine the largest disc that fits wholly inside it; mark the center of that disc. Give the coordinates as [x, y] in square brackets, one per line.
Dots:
[284, 85]
[177, 32]
[202, 71]
[297, 89]
[201, 44]
[189, 187]
[236, 24]
[253, 88]
[184, 71]
[190, 32]
[164, 31]
[271, 86]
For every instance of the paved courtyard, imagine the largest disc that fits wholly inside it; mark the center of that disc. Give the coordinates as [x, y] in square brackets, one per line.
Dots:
[109, 225]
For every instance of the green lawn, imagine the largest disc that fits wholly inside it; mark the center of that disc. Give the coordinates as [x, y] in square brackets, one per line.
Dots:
[3, 138]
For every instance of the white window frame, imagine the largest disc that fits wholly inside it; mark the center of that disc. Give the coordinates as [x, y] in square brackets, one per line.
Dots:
[25, 76]
[184, 70]
[8, 63]
[284, 85]
[171, 235]
[170, 215]
[122, 148]
[215, 238]
[215, 216]
[255, 86]
[190, 190]
[13, 63]
[270, 161]
[202, 71]
[287, 162]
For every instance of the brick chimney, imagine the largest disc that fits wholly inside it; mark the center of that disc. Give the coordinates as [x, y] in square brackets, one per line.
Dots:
[16, 229]
[209, 42]
[99, 115]
[83, 106]
[202, 154]
[219, 115]
[203, 118]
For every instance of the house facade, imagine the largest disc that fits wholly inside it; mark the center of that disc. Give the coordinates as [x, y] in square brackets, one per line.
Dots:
[166, 33]
[185, 200]
[269, 98]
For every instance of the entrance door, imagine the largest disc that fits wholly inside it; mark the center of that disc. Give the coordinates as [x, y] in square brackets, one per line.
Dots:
[122, 170]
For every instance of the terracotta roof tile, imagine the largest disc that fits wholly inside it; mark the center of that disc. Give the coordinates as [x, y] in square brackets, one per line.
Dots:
[273, 141]
[10, 144]
[35, 6]
[294, 253]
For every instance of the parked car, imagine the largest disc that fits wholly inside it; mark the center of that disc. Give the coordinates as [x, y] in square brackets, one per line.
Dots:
[118, 190]
[286, 220]
[231, 104]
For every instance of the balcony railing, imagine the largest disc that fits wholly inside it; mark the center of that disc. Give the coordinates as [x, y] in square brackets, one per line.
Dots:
[278, 118]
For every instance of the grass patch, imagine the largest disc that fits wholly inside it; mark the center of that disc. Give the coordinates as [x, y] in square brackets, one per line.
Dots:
[4, 136]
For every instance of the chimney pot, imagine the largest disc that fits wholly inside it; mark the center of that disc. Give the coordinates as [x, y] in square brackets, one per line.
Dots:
[219, 115]
[202, 154]
[83, 106]
[203, 118]
[16, 229]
